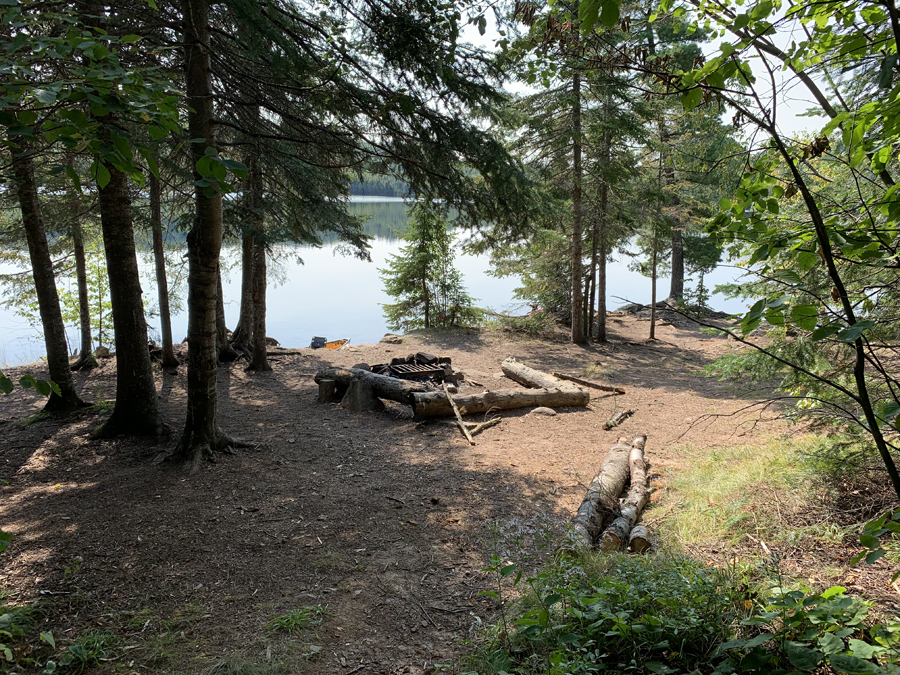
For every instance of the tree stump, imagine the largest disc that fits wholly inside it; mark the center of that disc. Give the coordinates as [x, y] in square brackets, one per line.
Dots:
[360, 397]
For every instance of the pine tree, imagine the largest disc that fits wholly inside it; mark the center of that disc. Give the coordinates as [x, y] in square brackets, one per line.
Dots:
[428, 288]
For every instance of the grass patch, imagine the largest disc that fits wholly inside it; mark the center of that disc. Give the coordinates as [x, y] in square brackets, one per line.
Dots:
[734, 491]
[296, 620]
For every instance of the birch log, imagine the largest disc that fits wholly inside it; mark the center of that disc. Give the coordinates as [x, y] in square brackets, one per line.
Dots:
[615, 536]
[599, 504]
[530, 377]
[639, 540]
[435, 404]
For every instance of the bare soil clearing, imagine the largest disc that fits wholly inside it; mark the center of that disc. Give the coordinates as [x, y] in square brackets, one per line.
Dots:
[387, 521]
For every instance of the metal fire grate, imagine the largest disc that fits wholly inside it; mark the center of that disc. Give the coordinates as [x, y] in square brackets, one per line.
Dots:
[413, 371]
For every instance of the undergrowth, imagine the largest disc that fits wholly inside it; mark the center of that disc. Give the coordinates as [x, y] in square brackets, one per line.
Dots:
[672, 614]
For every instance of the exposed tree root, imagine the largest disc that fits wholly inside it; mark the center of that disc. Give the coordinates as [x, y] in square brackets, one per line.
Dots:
[84, 362]
[63, 405]
[195, 448]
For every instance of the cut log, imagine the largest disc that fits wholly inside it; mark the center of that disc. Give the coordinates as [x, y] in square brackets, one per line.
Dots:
[435, 404]
[588, 383]
[618, 418]
[384, 387]
[459, 419]
[599, 504]
[615, 536]
[360, 397]
[328, 391]
[530, 377]
[639, 540]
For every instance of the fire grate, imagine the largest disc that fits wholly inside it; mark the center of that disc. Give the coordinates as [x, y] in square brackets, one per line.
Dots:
[413, 371]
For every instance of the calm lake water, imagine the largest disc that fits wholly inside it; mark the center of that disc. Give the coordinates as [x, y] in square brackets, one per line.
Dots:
[335, 296]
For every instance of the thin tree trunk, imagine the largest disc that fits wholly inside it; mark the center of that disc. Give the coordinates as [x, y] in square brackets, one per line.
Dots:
[602, 235]
[165, 322]
[136, 412]
[242, 337]
[201, 436]
[45, 284]
[85, 353]
[676, 288]
[595, 250]
[653, 289]
[226, 352]
[259, 361]
[577, 319]
[255, 179]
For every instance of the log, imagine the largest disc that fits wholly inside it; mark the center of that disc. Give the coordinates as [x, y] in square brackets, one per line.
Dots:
[530, 377]
[435, 404]
[328, 391]
[478, 428]
[639, 540]
[459, 419]
[384, 387]
[615, 536]
[360, 397]
[618, 418]
[599, 504]
[588, 383]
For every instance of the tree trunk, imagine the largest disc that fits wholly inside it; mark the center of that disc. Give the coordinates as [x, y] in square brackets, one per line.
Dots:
[259, 361]
[86, 351]
[165, 322]
[255, 178]
[242, 337]
[435, 404]
[577, 319]
[201, 436]
[639, 539]
[391, 388]
[136, 412]
[45, 284]
[653, 263]
[595, 256]
[602, 236]
[616, 534]
[599, 504]
[676, 287]
[226, 352]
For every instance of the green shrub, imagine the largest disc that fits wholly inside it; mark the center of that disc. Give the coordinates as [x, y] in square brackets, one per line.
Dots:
[672, 614]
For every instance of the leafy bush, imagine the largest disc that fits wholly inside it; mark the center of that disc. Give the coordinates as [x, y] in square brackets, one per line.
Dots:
[671, 614]
[536, 324]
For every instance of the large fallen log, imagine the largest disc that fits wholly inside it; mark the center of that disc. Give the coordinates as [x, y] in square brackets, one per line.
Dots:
[615, 536]
[435, 404]
[383, 386]
[599, 504]
[588, 383]
[530, 377]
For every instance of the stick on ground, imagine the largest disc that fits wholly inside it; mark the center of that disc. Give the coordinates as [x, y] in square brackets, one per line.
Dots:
[618, 418]
[462, 425]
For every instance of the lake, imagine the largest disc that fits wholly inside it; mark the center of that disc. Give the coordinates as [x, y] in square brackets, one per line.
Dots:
[334, 296]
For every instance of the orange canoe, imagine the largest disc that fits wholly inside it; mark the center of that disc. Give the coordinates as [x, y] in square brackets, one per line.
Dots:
[336, 344]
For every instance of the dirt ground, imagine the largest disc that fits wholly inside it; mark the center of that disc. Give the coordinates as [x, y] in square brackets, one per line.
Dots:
[387, 521]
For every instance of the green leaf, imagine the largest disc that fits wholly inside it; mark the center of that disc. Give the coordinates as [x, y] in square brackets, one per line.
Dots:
[47, 637]
[691, 98]
[852, 665]
[130, 39]
[873, 556]
[42, 387]
[45, 95]
[831, 643]
[26, 381]
[834, 590]
[507, 570]
[609, 13]
[806, 260]
[869, 541]
[102, 174]
[158, 133]
[802, 657]
[73, 176]
[825, 332]
[853, 333]
[6, 385]
[761, 11]
[753, 318]
[5, 540]
[886, 75]
[805, 316]
[863, 649]
[588, 12]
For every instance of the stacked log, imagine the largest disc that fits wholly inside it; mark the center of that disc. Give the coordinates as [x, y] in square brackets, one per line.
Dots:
[616, 534]
[599, 504]
[600, 515]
